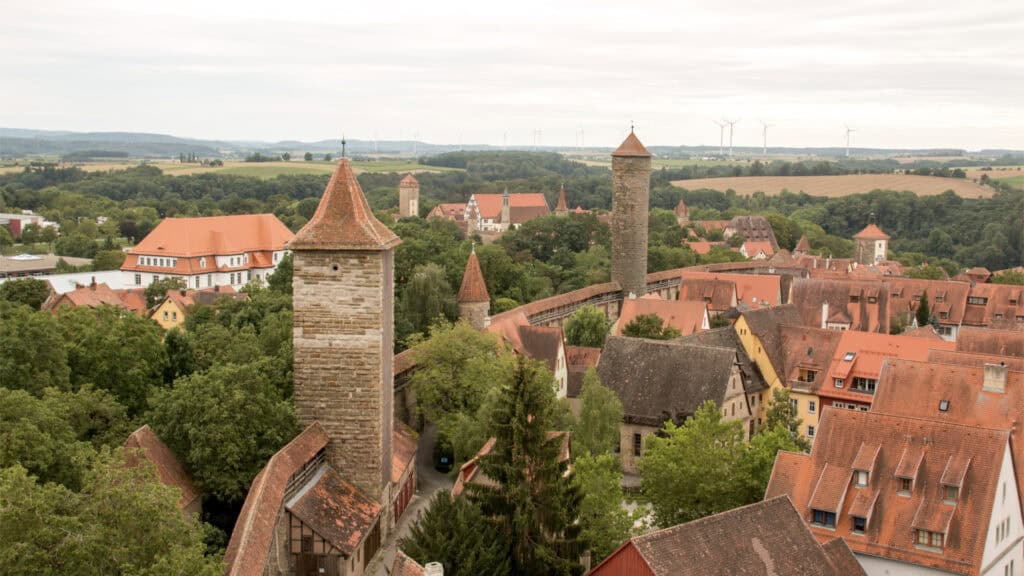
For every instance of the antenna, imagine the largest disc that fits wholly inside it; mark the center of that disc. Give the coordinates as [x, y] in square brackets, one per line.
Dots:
[731, 123]
[764, 137]
[721, 137]
[848, 130]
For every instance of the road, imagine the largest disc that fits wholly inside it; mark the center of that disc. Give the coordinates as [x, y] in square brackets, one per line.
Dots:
[429, 481]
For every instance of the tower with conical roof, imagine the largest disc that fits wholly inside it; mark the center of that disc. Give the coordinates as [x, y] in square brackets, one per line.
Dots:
[870, 245]
[803, 247]
[682, 213]
[474, 301]
[631, 181]
[408, 197]
[562, 208]
[342, 331]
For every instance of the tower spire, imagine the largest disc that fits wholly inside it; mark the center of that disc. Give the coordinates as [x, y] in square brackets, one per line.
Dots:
[342, 145]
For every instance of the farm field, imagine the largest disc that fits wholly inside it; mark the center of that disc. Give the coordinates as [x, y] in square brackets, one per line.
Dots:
[834, 186]
[998, 173]
[260, 169]
[1015, 181]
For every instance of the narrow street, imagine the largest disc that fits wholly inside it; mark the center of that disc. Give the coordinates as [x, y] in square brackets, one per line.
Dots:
[429, 481]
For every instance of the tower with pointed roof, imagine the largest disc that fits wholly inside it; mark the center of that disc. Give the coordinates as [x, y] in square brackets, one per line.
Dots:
[870, 245]
[474, 301]
[342, 331]
[408, 197]
[803, 247]
[682, 213]
[631, 181]
[562, 208]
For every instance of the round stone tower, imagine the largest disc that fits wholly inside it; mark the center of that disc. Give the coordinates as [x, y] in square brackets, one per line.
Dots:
[474, 301]
[631, 189]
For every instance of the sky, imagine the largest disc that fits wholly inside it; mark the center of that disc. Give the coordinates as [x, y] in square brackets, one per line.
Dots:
[923, 74]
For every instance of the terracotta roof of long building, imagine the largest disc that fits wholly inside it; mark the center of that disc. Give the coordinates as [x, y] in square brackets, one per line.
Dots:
[922, 449]
[193, 237]
[169, 469]
[687, 316]
[767, 538]
[631, 146]
[473, 288]
[522, 207]
[343, 220]
[987, 341]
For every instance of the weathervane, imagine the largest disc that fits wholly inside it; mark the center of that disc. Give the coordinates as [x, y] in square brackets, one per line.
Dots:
[342, 145]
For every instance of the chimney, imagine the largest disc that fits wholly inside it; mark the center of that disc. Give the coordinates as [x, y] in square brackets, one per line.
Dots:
[824, 314]
[93, 283]
[433, 569]
[995, 378]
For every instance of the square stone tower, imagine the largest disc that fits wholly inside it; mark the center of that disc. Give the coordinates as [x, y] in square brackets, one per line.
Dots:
[408, 197]
[343, 300]
[631, 190]
[870, 245]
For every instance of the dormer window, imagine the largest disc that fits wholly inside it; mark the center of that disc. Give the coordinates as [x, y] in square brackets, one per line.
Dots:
[931, 539]
[202, 262]
[848, 357]
[859, 524]
[950, 493]
[977, 300]
[860, 478]
[839, 382]
[939, 299]
[823, 518]
[905, 486]
[807, 375]
[943, 405]
[854, 298]
[872, 300]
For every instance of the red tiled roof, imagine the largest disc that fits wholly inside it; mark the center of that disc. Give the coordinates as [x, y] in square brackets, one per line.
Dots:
[681, 209]
[561, 206]
[473, 288]
[631, 146]
[405, 566]
[842, 558]
[871, 232]
[194, 237]
[753, 290]
[753, 248]
[718, 293]
[703, 246]
[531, 204]
[808, 349]
[911, 388]
[343, 220]
[870, 352]
[974, 359]
[403, 451]
[335, 510]
[409, 180]
[854, 298]
[451, 211]
[250, 541]
[687, 316]
[986, 341]
[890, 532]
[582, 356]
[168, 467]
[95, 295]
[803, 245]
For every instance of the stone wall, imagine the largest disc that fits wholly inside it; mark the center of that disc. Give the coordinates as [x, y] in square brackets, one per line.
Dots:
[343, 307]
[475, 313]
[631, 181]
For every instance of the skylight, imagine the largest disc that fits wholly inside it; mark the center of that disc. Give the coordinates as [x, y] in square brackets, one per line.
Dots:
[849, 356]
[943, 405]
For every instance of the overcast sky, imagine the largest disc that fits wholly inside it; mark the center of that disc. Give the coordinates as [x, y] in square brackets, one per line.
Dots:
[929, 74]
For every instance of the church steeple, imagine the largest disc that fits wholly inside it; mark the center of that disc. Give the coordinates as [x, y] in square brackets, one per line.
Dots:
[562, 208]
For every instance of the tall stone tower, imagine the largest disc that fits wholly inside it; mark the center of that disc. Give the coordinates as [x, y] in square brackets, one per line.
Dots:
[408, 197]
[562, 208]
[506, 210]
[631, 182]
[870, 245]
[342, 331]
[474, 301]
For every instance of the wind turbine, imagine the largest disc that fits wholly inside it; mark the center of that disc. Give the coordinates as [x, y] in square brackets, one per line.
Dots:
[764, 137]
[721, 137]
[731, 123]
[848, 130]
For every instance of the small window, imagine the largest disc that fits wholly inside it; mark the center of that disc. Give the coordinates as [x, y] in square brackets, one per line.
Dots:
[839, 382]
[823, 518]
[950, 492]
[939, 299]
[854, 299]
[165, 314]
[637, 444]
[999, 316]
[859, 524]
[922, 537]
[138, 279]
[174, 316]
[872, 300]
[905, 484]
[202, 262]
[943, 315]
[943, 405]
[810, 431]
[849, 356]
[861, 478]
[812, 406]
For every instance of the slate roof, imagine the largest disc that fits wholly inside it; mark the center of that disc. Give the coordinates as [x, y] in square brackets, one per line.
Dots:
[913, 388]
[754, 229]
[762, 539]
[766, 325]
[631, 146]
[250, 541]
[335, 509]
[168, 468]
[343, 219]
[473, 288]
[890, 531]
[405, 566]
[659, 380]
[725, 337]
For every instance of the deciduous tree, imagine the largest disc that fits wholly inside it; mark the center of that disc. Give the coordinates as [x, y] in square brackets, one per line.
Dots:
[31, 292]
[587, 326]
[606, 524]
[34, 354]
[650, 326]
[597, 430]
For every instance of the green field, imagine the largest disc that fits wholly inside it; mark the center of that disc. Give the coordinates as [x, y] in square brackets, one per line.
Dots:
[1015, 181]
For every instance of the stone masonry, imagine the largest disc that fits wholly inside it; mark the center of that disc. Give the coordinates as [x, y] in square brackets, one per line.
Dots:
[631, 180]
[408, 197]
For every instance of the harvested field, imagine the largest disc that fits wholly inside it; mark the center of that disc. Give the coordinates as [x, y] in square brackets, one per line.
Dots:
[995, 172]
[262, 170]
[835, 186]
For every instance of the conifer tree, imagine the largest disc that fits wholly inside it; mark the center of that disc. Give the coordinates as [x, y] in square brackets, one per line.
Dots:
[456, 534]
[533, 501]
[924, 313]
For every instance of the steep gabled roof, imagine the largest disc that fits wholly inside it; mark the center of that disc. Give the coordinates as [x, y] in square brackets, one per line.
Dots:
[766, 324]
[541, 343]
[194, 237]
[725, 337]
[405, 566]
[986, 341]
[687, 316]
[473, 288]
[803, 245]
[561, 206]
[681, 209]
[766, 538]
[343, 220]
[522, 206]
[335, 509]
[658, 380]
[631, 146]
[890, 532]
[168, 467]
